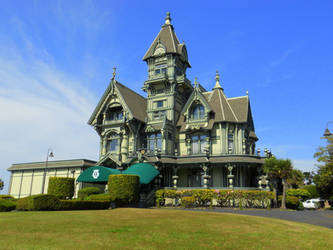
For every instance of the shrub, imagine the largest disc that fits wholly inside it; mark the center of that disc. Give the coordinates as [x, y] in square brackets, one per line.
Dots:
[7, 205]
[124, 188]
[83, 205]
[24, 204]
[99, 197]
[61, 187]
[224, 198]
[188, 201]
[7, 197]
[300, 193]
[292, 202]
[39, 202]
[85, 192]
[312, 189]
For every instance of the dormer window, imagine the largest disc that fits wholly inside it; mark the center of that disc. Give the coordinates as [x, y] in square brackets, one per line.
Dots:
[161, 69]
[198, 112]
[115, 114]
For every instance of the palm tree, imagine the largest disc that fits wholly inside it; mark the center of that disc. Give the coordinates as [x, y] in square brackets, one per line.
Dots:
[279, 169]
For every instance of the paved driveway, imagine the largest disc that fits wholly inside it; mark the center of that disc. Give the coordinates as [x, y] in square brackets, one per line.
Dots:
[316, 217]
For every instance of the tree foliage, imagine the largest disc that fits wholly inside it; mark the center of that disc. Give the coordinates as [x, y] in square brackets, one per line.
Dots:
[296, 179]
[324, 177]
[1, 184]
[279, 169]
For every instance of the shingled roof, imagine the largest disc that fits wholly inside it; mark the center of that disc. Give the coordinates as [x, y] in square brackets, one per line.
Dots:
[225, 109]
[135, 103]
[168, 38]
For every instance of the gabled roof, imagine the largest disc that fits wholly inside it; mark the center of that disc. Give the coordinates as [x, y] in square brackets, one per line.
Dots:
[135, 103]
[236, 110]
[196, 95]
[168, 38]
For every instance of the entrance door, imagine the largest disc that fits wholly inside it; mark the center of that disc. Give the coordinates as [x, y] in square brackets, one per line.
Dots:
[195, 178]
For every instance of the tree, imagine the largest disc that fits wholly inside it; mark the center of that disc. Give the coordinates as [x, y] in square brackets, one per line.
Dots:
[279, 169]
[296, 179]
[324, 176]
[1, 184]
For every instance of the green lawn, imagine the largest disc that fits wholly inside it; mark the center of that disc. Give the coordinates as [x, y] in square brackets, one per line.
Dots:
[130, 228]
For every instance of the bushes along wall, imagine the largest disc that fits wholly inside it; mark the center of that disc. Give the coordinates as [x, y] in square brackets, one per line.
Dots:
[85, 192]
[61, 187]
[124, 188]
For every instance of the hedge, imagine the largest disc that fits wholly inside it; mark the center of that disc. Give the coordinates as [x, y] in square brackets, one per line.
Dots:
[39, 202]
[300, 193]
[7, 205]
[99, 197]
[124, 188]
[7, 197]
[85, 192]
[61, 187]
[217, 198]
[83, 205]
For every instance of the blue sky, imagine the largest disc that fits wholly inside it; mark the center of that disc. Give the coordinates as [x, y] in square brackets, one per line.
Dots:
[56, 59]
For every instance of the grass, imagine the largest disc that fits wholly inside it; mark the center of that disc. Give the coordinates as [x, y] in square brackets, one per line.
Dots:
[130, 228]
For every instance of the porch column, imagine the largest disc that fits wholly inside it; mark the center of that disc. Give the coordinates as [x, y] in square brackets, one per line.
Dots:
[175, 177]
[205, 176]
[230, 176]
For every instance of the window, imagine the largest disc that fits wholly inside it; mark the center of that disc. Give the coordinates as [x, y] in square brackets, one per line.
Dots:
[161, 69]
[154, 141]
[159, 104]
[115, 114]
[113, 145]
[230, 143]
[158, 115]
[199, 144]
[198, 112]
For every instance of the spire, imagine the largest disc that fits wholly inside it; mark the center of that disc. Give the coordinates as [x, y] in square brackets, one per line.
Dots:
[195, 82]
[168, 19]
[217, 79]
[114, 73]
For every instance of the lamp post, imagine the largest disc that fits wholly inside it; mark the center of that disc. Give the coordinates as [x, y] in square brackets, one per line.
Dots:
[327, 132]
[49, 154]
[328, 135]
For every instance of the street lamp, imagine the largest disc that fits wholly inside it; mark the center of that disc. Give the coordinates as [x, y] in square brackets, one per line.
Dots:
[327, 132]
[49, 154]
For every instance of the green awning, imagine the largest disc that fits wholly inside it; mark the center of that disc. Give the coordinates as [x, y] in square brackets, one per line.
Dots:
[97, 174]
[145, 171]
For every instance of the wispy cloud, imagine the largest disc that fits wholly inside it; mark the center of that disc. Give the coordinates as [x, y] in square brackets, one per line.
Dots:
[41, 107]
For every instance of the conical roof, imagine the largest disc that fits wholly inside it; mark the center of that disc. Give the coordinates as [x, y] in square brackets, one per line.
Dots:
[168, 40]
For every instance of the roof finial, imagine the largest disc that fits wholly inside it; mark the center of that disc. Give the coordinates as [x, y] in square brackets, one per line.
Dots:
[247, 92]
[168, 18]
[195, 82]
[217, 79]
[114, 73]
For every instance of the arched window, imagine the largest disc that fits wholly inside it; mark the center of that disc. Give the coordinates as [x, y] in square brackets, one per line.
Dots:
[198, 112]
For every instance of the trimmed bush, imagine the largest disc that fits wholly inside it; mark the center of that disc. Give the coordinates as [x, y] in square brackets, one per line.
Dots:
[99, 197]
[39, 202]
[85, 192]
[220, 198]
[7, 205]
[7, 197]
[61, 187]
[83, 205]
[300, 193]
[124, 188]
[292, 202]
